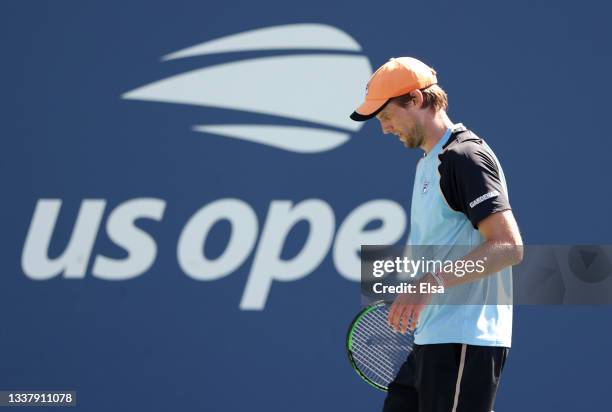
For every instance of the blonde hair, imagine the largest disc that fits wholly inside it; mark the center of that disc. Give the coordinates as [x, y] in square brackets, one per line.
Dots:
[433, 96]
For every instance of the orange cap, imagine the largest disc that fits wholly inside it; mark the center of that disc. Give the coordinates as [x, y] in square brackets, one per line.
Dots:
[398, 76]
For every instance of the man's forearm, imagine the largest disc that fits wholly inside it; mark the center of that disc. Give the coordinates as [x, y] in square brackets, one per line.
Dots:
[495, 256]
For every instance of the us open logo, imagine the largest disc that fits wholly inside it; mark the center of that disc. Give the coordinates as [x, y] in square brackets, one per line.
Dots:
[304, 100]
[319, 89]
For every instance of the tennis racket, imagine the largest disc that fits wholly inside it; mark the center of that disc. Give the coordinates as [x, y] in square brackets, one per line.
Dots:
[376, 351]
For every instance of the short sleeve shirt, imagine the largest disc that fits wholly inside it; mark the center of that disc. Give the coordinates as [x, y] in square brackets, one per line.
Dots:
[457, 184]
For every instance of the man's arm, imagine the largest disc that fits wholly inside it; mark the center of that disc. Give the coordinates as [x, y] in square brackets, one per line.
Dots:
[502, 247]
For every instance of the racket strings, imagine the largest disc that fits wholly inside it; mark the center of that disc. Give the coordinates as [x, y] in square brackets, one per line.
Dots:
[382, 367]
[378, 362]
[377, 350]
[382, 360]
[378, 354]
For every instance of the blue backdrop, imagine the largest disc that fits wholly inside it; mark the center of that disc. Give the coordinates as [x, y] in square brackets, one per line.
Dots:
[178, 333]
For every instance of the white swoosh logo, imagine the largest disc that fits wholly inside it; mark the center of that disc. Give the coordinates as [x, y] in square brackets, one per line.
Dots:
[295, 139]
[290, 36]
[316, 88]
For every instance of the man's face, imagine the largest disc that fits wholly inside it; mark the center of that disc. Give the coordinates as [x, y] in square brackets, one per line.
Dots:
[402, 122]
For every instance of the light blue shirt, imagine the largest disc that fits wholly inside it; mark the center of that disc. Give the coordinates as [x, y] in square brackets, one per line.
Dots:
[433, 222]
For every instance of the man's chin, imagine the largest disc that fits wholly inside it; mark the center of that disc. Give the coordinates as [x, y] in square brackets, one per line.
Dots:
[410, 144]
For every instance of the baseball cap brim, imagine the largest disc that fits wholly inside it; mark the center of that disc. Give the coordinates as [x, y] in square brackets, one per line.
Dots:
[369, 109]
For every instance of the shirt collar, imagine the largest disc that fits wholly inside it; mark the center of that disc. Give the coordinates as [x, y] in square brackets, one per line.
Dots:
[433, 153]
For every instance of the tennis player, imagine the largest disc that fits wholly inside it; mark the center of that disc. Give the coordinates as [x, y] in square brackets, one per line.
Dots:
[459, 198]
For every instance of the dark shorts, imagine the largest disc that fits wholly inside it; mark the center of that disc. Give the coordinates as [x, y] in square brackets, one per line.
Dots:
[447, 377]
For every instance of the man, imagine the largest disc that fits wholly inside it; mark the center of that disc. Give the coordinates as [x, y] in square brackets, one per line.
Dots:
[459, 198]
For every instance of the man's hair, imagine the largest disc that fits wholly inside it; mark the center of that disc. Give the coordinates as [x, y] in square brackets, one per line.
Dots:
[433, 97]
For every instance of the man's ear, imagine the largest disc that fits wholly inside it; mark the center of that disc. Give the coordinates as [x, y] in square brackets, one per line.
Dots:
[417, 98]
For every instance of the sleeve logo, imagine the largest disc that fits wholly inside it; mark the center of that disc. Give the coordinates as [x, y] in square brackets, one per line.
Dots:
[482, 198]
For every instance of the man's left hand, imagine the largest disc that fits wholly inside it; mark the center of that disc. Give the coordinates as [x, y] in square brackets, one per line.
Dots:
[406, 308]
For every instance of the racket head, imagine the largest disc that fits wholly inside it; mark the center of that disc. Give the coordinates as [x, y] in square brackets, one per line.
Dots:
[376, 352]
